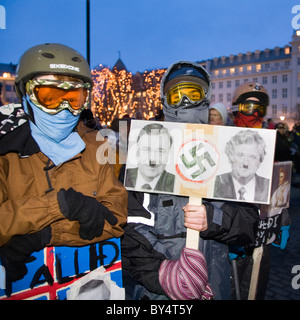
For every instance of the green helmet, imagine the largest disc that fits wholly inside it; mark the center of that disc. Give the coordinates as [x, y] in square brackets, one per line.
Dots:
[51, 58]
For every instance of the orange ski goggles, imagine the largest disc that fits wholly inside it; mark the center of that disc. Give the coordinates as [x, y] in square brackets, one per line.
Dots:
[53, 96]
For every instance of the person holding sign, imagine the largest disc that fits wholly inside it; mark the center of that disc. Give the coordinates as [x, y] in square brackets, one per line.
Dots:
[53, 192]
[156, 262]
[252, 100]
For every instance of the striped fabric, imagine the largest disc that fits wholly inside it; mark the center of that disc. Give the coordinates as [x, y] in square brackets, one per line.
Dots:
[186, 278]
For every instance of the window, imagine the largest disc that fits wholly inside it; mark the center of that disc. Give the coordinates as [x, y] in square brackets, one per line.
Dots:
[274, 79]
[228, 97]
[9, 88]
[274, 93]
[274, 109]
[284, 78]
[228, 84]
[298, 92]
[255, 80]
[284, 93]
[284, 109]
[287, 50]
[221, 85]
[216, 72]
[258, 67]
[221, 97]
[213, 85]
[264, 80]
[249, 68]
[241, 69]
[237, 83]
[232, 70]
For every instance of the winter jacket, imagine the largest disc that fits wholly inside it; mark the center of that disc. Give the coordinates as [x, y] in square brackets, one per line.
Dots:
[159, 233]
[29, 183]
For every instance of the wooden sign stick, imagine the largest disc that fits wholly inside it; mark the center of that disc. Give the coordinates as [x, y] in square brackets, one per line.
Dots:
[192, 236]
[257, 255]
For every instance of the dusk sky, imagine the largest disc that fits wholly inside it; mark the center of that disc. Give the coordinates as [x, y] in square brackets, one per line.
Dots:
[149, 34]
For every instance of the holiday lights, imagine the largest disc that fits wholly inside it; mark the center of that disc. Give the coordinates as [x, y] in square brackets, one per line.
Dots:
[117, 93]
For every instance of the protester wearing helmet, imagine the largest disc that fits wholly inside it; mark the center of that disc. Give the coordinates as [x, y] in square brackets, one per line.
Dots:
[252, 101]
[185, 93]
[156, 264]
[52, 189]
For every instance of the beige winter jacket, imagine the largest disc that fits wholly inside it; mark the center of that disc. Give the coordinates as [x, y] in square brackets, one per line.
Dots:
[26, 207]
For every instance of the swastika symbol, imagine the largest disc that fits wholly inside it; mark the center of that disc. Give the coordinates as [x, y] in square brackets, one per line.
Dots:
[197, 161]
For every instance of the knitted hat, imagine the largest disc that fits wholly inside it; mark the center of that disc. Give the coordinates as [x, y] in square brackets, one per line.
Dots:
[222, 110]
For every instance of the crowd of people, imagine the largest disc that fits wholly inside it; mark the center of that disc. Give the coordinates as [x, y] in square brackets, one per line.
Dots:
[54, 193]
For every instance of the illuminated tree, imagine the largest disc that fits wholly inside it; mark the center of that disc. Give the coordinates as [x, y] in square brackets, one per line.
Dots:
[118, 92]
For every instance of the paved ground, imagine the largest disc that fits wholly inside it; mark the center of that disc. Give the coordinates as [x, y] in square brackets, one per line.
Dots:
[282, 261]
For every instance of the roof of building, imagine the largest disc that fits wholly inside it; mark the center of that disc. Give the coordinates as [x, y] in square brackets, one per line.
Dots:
[257, 56]
[119, 65]
[8, 67]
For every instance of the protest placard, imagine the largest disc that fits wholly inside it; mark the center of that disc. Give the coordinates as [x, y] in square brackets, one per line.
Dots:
[200, 161]
[59, 273]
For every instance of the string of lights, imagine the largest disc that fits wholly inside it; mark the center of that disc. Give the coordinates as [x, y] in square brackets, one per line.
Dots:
[117, 93]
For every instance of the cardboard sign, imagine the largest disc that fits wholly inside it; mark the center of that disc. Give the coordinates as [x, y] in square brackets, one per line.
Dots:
[280, 190]
[204, 161]
[60, 273]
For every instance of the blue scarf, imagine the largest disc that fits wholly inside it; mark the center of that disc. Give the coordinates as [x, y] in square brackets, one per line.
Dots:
[54, 133]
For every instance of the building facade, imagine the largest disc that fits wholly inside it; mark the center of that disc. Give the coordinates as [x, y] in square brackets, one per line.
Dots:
[7, 88]
[278, 70]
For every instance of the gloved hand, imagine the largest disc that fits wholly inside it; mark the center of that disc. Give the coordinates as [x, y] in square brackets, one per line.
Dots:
[282, 238]
[16, 253]
[186, 278]
[236, 252]
[90, 213]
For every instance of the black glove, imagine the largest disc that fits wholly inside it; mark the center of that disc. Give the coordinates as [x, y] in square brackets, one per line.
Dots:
[16, 253]
[86, 210]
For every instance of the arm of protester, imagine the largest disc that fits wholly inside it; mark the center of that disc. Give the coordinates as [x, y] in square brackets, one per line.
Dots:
[108, 210]
[26, 215]
[142, 253]
[231, 223]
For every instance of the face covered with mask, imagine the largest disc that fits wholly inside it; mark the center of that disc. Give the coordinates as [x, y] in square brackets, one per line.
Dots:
[53, 104]
[185, 93]
[250, 113]
[251, 100]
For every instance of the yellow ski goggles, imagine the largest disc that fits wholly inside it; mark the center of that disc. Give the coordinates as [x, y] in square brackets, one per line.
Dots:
[193, 91]
[249, 107]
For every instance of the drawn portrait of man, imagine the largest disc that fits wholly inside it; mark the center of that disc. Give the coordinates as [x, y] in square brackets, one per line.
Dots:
[245, 151]
[153, 147]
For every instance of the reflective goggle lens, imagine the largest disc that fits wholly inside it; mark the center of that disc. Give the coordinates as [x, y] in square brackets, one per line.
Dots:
[51, 97]
[192, 91]
[249, 108]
